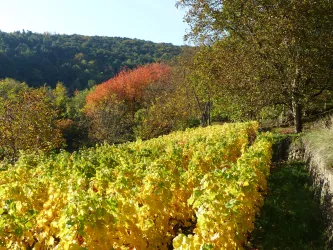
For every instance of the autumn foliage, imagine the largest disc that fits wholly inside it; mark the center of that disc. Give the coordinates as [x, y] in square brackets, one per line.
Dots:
[129, 85]
[27, 122]
[111, 107]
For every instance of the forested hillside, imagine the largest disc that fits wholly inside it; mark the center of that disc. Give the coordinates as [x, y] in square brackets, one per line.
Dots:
[77, 61]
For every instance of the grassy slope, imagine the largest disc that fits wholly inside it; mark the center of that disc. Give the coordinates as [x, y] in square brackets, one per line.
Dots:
[320, 143]
[290, 218]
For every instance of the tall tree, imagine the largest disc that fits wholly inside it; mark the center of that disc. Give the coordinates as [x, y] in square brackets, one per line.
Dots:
[196, 78]
[168, 109]
[285, 46]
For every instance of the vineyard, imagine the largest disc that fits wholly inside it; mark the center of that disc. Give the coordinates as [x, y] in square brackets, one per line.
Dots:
[198, 189]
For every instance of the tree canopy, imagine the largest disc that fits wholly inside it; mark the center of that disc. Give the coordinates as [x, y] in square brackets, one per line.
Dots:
[27, 120]
[276, 51]
[112, 105]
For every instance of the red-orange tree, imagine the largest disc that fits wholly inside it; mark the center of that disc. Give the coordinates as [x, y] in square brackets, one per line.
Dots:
[112, 106]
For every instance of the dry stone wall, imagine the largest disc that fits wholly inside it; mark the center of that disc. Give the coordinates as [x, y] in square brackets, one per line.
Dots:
[291, 149]
[322, 177]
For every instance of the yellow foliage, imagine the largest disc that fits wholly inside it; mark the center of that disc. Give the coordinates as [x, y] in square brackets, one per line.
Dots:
[143, 195]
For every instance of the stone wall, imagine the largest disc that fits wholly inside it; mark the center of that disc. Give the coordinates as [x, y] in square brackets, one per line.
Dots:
[296, 149]
[287, 148]
[322, 177]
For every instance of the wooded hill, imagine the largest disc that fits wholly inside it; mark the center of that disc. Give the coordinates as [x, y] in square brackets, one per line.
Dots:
[77, 61]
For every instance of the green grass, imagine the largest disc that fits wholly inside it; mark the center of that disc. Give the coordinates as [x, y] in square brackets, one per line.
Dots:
[320, 143]
[290, 218]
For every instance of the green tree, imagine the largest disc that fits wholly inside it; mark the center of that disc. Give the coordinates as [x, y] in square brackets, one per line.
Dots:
[168, 107]
[60, 99]
[9, 88]
[199, 80]
[285, 48]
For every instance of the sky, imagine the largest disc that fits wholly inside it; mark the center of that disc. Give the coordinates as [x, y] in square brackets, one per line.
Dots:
[152, 20]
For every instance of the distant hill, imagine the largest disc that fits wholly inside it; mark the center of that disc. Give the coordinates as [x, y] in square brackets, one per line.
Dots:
[77, 61]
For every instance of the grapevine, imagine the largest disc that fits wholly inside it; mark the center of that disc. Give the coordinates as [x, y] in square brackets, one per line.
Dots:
[193, 189]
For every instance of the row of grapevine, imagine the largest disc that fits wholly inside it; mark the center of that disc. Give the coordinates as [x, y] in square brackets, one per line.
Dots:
[227, 200]
[197, 189]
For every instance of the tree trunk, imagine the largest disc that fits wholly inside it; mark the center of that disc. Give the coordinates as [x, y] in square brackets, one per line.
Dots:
[205, 115]
[297, 113]
[296, 104]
